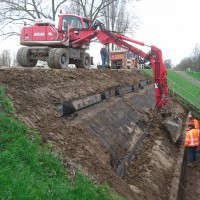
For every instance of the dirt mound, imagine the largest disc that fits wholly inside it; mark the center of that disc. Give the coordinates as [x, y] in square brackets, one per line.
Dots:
[101, 139]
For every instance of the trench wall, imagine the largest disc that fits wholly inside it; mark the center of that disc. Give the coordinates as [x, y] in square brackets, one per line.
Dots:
[120, 125]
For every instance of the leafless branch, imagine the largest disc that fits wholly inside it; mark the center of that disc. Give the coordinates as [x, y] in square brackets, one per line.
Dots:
[15, 12]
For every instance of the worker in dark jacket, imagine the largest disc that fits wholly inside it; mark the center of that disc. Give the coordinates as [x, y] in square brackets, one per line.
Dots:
[191, 143]
[104, 55]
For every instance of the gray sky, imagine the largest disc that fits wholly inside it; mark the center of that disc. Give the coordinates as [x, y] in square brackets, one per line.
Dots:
[171, 25]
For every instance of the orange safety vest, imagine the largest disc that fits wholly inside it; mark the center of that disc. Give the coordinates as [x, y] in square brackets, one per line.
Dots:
[192, 138]
[196, 124]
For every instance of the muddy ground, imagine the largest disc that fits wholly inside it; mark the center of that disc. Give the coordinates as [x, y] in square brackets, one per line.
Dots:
[98, 139]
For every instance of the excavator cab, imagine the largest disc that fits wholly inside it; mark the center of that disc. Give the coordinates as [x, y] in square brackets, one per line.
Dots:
[70, 21]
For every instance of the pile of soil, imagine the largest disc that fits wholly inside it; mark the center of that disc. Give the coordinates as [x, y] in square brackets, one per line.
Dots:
[98, 138]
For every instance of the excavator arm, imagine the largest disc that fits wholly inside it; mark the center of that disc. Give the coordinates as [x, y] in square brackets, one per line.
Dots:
[154, 56]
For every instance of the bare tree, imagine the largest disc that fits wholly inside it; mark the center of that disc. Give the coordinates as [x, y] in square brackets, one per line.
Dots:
[192, 62]
[168, 63]
[5, 58]
[118, 17]
[90, 8]
[13, 13]
[14, 61]
[113, 13]
[185, 63]
[196, 57]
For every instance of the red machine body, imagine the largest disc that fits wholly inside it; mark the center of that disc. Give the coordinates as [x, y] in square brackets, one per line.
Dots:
[47, 32]
[67, 44]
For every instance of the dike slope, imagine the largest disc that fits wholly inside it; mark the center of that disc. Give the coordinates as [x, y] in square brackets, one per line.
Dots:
[98, 140]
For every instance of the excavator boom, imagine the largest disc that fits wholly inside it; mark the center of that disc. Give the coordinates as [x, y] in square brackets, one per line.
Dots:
[154, 56]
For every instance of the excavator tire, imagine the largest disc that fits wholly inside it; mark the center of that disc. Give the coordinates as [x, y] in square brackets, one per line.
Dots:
[85, 61]
[61, 58]
[23, 58]
[50, 59]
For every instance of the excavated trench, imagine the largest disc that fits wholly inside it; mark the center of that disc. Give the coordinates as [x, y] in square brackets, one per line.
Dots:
[119, 140]
[119, 125]
[122, 126]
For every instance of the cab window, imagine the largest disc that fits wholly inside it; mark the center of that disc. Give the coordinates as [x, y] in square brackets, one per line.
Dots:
[72, 21]
[85, 24]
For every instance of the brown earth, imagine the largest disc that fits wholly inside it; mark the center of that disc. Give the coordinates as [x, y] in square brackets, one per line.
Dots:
[95, 140]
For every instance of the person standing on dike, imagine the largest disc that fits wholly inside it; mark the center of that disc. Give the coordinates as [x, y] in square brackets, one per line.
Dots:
[104, 55]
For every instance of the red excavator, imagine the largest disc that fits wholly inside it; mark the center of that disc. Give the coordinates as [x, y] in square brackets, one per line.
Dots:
[67, 42]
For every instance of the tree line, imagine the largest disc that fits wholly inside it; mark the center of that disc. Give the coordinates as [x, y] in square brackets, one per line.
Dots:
[192, 62]
[7, 60]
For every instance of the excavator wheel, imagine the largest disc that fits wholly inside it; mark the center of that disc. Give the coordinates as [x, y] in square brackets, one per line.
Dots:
[61, 58]
[50, 59]
[23, 57]
[85, 61]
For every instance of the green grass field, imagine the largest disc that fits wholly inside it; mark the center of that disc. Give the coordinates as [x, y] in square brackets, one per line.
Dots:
[181, 86]
[195, 75]
[29, 171]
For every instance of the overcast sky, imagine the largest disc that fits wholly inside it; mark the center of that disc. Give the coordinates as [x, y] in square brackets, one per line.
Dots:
[171, 25]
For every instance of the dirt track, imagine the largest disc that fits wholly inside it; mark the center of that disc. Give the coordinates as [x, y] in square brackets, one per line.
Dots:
[96, 140]
[189, 78]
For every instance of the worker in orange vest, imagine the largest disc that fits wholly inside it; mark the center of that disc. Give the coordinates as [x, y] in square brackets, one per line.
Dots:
[194, 121]
[191, 143]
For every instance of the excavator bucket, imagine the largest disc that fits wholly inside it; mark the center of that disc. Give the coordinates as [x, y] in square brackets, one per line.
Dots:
[174, 127]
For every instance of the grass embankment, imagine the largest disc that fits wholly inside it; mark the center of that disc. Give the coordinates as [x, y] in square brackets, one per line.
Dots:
[29, 171]
[182, 87]
[195, 75]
